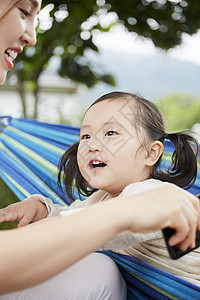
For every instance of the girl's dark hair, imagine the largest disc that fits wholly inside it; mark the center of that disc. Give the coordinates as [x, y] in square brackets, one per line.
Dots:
[183, 168]
[70, 175]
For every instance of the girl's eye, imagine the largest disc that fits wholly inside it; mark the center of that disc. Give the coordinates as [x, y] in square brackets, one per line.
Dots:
[85, 137]
[111, 132]
[24, 12]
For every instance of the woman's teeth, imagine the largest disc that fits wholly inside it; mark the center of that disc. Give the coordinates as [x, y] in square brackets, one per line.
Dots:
[11, 54]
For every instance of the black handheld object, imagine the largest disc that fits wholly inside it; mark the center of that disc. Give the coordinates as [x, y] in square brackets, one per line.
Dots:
[174, 251]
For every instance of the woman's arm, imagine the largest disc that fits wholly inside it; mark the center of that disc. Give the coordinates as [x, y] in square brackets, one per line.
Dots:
[34, 253]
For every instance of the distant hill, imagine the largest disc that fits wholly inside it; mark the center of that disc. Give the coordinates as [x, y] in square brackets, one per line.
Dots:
[150, 76]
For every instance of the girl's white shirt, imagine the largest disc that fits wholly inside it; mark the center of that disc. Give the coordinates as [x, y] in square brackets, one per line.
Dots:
[149, 247]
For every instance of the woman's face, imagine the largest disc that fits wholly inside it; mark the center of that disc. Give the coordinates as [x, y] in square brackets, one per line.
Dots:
[16, 30]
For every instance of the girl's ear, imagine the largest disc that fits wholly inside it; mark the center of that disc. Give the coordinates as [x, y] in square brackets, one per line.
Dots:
[154, 153]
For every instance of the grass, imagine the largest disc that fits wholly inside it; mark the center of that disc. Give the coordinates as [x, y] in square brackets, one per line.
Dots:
[7, 197]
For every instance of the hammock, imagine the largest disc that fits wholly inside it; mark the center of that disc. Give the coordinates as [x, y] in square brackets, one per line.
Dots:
[29, 156]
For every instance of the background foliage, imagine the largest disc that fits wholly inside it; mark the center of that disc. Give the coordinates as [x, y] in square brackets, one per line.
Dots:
[7, 197]
[73, 23]
[180, 112]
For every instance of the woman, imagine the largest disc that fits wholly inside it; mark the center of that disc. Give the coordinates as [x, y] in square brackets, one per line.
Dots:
[39, 251]
[17, 30]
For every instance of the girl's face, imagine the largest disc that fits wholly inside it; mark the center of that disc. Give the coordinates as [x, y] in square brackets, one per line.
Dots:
[16, 30]
[110, 155]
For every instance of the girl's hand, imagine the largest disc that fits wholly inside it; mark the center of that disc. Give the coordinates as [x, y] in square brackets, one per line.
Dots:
[25, 212]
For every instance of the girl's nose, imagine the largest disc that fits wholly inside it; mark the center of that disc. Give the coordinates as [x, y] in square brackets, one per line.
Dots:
[95, 146]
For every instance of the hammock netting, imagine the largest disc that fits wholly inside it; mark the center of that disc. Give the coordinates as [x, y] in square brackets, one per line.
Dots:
[29, 156]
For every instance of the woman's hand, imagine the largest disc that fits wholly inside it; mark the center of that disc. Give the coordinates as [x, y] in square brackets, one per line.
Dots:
[25, 212]
[168, 206]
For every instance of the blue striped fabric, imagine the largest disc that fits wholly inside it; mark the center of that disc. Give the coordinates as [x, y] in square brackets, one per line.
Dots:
[161, 285]
[29, 155]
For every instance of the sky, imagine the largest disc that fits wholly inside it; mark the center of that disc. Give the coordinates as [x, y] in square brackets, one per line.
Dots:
[130, 43]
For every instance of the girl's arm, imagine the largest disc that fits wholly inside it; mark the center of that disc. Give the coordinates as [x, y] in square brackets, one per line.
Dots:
[35, 208]
[34, 253]
[32, 209]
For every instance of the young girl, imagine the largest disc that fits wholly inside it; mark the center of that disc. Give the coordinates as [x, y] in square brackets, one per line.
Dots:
[35, 246]
[119, 154]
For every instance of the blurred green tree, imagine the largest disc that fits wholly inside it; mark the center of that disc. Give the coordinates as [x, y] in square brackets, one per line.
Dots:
[180, 111]
[73, 23]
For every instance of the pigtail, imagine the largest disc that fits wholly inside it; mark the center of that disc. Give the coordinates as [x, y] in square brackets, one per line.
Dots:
[70, 175]
[183, 168]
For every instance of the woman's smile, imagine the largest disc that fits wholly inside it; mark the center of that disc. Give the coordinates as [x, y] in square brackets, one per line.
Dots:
[11, 55]
[17, 30]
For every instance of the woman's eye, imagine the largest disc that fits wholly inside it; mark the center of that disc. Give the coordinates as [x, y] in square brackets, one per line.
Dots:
[111, 132]
[24, 12]
[85, 137]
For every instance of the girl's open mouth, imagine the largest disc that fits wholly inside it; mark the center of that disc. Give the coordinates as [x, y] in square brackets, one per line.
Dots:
[97, 164]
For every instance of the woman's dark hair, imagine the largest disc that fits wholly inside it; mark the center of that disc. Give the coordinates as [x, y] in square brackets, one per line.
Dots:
[183, 168]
